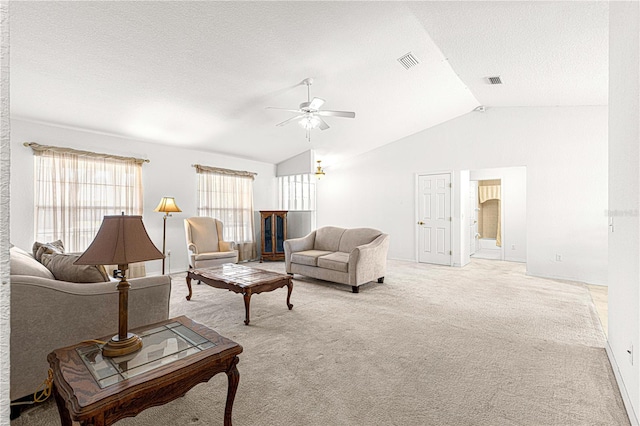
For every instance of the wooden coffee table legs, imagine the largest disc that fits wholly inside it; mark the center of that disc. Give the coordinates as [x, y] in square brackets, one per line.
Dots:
[234, 377]
[247, 300]
[189, 285]
[241, 280]
[289, 290]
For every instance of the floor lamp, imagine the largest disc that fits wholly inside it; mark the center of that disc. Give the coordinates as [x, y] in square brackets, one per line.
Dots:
[167, 206]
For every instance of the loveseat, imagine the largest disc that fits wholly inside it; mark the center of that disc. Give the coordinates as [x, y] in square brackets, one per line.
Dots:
[353, 256]
[47, 314]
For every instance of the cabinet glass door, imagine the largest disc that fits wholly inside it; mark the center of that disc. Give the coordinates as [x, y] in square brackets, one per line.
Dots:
[279, 234]
[268, 232]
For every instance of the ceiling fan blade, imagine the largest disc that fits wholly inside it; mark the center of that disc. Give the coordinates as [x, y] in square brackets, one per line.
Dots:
[297, 117]
[285, 109]
[323, 124]
[316, 103]
[345, 114]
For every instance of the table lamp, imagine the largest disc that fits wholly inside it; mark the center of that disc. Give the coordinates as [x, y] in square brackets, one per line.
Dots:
[167, 205]
[121, 240]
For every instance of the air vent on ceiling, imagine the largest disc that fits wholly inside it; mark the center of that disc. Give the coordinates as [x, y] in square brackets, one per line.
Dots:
[494, 80]
[408, 60]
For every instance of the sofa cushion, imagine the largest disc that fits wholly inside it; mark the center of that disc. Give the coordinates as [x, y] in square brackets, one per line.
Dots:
[46, 248]
[355, 237]
[328, 238]
[62, 267]
[337, 261]
[23, 263]
[216, 255]
[308, 257]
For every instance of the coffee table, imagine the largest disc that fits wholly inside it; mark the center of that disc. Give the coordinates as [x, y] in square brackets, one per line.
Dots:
[176, 355]
[241, 279]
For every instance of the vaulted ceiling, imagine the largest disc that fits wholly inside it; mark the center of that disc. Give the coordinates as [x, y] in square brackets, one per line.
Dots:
[201, 74]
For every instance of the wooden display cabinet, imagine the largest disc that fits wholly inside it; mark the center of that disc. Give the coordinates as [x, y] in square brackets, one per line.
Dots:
[273, 234]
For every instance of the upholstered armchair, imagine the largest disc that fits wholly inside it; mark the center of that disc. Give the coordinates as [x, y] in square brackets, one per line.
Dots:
[205, 244]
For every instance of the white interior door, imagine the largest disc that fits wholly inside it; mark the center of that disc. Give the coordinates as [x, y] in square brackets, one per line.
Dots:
[434, 219]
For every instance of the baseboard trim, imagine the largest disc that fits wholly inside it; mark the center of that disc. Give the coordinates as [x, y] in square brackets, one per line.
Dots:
[560, 278]
[633, 419]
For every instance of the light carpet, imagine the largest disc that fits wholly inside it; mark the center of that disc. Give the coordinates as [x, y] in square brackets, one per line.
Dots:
[480, 345]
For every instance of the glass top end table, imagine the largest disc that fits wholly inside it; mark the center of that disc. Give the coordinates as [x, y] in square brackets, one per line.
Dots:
[160, 346]
[176, 355]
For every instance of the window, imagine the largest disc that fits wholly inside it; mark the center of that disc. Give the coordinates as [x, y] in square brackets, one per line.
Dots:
[297, 192]
[227, 195]
[74, 190]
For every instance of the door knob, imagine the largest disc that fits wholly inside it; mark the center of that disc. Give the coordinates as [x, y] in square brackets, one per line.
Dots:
[421, 223]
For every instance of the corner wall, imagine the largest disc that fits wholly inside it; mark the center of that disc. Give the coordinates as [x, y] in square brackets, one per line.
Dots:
[624, 197]
[5, 158]
[563, 148]
[169, 173]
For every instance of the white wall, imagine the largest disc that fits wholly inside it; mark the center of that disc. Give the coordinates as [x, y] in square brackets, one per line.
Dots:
[169, 173]
[461, 239]
[563, 148]
[5, 287]
[624, 200]
[514, 208]
[297, 165]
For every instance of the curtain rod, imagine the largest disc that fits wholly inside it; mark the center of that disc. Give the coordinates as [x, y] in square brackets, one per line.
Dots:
[41, 148]
[200, 169]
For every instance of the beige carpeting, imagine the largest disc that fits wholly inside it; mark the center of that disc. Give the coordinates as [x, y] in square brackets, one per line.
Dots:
[600, 297]
[479, 345]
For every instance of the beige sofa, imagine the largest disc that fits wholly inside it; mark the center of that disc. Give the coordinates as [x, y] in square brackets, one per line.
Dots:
[347, 256]
[47, 314]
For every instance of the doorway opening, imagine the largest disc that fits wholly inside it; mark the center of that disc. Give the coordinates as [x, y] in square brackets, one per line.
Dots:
[493, 221]
[487, 229]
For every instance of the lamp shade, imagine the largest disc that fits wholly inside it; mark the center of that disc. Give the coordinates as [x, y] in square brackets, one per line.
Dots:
[168, 205]
[120, 240]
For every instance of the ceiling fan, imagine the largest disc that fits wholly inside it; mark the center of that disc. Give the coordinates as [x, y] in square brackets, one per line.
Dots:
[309, 115]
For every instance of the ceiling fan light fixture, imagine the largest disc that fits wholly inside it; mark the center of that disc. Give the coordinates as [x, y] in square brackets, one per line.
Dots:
[309, 121]
[309, 115]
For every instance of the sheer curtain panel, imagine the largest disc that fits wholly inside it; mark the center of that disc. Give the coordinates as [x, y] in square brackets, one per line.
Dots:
[75, 189]
[227, 195]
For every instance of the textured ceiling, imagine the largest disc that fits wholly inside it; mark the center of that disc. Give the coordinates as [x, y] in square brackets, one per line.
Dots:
[200, 74]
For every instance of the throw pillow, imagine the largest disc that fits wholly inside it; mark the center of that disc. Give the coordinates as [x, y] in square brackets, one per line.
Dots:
[47, 248]
[62, 267]
[23, 263]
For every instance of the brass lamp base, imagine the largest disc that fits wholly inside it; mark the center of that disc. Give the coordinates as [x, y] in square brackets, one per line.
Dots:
[117, 347]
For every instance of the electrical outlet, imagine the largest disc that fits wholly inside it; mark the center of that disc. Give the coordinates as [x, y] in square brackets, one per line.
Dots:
[513, 246]
[630, 353]
[558, 258]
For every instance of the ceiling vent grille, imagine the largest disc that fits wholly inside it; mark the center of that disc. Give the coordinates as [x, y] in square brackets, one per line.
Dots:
[494, 80]
[408, 60]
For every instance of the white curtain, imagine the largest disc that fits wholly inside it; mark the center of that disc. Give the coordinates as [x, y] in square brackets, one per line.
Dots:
[74, 190]
[227, 195]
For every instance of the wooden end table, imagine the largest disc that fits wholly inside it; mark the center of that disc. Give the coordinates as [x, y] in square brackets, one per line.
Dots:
[176, 355]
[241, 279]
